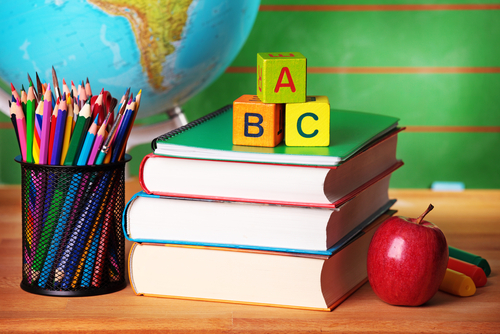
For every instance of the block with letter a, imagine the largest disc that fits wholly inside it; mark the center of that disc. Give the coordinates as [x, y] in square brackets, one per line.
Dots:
[308, 124]
[281, 77]
[256, 123]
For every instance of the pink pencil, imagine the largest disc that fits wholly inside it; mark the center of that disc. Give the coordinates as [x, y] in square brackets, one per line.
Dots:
[47, 114]
[21, 128]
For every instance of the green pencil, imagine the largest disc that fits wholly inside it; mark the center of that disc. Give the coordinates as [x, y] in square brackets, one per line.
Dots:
[30, 117]
[81, 127]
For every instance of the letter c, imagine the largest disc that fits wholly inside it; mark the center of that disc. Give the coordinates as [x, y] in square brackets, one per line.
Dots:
[299, 125]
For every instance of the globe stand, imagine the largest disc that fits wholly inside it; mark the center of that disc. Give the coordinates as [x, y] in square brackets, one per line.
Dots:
[144, 134]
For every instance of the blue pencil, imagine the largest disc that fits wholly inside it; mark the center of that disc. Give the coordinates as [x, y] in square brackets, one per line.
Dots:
[72, 253]
[122, 132]
[75, 190]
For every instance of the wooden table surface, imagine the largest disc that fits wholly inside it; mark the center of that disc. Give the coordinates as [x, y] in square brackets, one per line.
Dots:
[470, 221]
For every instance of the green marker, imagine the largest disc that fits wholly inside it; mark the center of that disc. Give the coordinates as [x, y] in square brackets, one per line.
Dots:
[470, 258]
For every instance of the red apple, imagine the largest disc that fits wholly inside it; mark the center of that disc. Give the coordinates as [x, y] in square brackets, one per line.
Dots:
[407, 260]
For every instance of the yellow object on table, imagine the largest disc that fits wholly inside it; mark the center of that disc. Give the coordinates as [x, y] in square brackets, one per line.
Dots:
[458, 284]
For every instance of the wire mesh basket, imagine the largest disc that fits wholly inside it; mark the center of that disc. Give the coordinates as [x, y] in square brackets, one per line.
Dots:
[72, 241]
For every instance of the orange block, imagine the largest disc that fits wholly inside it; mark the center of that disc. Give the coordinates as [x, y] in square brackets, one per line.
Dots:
[256, 123]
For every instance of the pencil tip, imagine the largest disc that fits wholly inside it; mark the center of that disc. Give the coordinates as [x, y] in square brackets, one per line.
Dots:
[12, 87]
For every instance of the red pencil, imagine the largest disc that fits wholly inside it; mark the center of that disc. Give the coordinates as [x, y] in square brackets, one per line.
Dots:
[97, 108]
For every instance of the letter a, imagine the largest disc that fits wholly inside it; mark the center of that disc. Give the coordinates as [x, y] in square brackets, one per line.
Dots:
[280, 83]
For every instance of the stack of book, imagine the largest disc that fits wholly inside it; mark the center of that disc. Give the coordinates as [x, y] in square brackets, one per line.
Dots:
[282, 226]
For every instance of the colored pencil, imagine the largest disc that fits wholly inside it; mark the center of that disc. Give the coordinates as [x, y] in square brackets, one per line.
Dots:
[66, 90]
[21, 129]
[53, 122]
[130, 125]
[73, 89]
[56, 84]
[78, 137]
[30, 122]
[82, 95]
[44, 138]
[112, 133]
[59, 132]
[39, 88]
[14, 92]
[102, 247]
[37, 132]
[97, 108]
[73, 250]
[101, 134]
[124, 132]
[87, 145]
[34, 89]
[68, 129]
[73, 199]
[24, 99]
[88, 91]
[87, 261]
[13, 119]
[76, 111]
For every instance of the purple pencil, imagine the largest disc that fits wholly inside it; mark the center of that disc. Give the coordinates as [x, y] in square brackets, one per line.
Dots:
[98, 141]
[47, 114]
[59, 132]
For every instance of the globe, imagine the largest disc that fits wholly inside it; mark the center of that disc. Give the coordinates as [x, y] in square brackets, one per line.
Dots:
[169, 49]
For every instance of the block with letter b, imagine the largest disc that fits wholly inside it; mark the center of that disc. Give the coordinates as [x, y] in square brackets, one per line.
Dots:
[256, 123]
[281, 77]
[308, 124]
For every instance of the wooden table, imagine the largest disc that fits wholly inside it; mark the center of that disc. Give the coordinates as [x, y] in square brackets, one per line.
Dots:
[470, 221]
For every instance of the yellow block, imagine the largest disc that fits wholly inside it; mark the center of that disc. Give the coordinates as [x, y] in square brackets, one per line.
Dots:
[457, 284]
[256, 123]
[308, 124]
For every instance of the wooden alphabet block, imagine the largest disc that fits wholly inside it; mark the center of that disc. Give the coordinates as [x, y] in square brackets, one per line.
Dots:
[308, 124]
[256, 123]
[281, 77]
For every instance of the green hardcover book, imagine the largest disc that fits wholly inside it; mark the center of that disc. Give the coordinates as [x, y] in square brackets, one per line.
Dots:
[210, 138]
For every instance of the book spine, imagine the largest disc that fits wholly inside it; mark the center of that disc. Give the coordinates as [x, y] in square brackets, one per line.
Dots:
[190, 125]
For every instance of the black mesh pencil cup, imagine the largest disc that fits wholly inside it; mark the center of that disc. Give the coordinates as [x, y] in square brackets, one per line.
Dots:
[73, 244]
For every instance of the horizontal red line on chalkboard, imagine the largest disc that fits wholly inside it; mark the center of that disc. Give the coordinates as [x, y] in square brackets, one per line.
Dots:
[379, 70]
[447, 128]
[401, 7]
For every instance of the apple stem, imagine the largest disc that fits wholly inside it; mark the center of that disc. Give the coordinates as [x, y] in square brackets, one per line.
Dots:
[421, 218]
